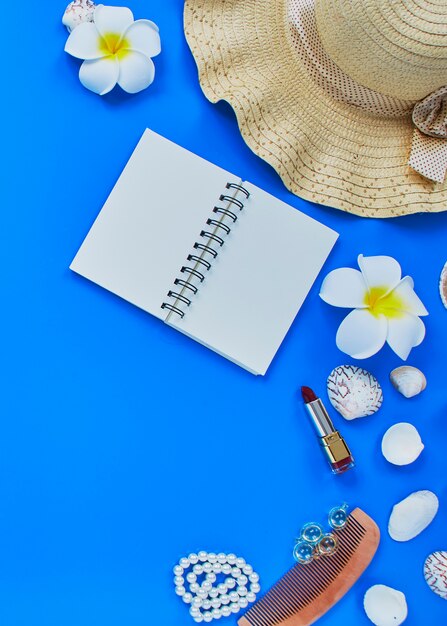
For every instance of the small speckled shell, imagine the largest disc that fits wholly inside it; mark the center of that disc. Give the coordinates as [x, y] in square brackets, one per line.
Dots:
[408, 380]
[435, 573]
[354, 392]
[77, 12]
[443, 286]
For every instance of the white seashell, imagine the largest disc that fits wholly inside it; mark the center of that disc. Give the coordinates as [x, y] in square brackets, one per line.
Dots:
[402, 444]
[443, 286]
[408, 380]
[77, 12]
[354, 392]
[435, 573]
[412, 515]
[385, 606]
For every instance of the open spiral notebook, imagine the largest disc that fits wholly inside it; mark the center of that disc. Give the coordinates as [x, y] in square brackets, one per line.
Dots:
[213, 256]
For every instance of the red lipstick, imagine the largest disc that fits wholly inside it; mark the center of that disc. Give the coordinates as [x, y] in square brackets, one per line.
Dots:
[334, 446]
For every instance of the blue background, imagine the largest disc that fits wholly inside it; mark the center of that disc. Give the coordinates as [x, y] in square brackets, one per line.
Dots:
[125, 445]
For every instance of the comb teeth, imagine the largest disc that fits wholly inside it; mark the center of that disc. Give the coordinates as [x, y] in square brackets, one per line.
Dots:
[304, 586]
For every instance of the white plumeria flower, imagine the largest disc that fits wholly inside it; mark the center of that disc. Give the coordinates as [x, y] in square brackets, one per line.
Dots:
[116, 50]
[386, 307]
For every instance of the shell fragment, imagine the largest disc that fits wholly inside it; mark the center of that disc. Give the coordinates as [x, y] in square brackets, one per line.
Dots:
[385, 606]
[412, 515]
[402, 444]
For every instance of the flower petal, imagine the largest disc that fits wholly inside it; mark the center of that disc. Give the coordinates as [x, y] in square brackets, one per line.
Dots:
[112, 20]
[100, 75]
[410, 301]
[404, 333]
[143, 36]
[137, 72]
[344, 287]
[362, 334]
[380, 271]
[84, 42]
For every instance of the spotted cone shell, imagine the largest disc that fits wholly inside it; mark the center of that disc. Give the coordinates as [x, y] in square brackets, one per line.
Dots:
[435, 573]
[354, 392]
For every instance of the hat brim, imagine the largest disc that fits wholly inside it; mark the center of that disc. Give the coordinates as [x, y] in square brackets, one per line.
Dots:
[325, 151]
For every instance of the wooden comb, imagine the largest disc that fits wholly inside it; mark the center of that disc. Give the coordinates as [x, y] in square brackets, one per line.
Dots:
[307, 591]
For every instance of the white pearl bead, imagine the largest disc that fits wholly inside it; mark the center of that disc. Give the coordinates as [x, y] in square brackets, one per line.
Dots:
[207, 617]
[197, 602]
[216, 613]
[207, 567]
[253, 578]
[236, 572]
[184, 562]
[187, 598]
[213, 593]
[251, 597]
[242, 590]
[225, 599]
[180, 590]
[206, 605]
[178, 581]
[206, 585]
[217, 568]
[231, 558]
[255, 587]
[193, 611]
[247, 569]
[230, 583]
[242, 580]
[222, 557]
[226, 568]
[226, 611]
[193, 558]
[212, 558]
[216, 603]
[194, 587]
[240, 562]
[178, 570]
[234, 596]
[234, 606]
[243, 602]
[202, 593]
[211, 577]
[197, 569]
[191, 577]
[222, 588]
[198, 619]
[203, 556]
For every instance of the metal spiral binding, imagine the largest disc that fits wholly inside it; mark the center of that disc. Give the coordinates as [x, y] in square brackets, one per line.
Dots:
[207, 252]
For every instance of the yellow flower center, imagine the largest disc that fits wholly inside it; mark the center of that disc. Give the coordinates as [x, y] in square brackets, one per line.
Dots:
[378, 303]
[111, 44]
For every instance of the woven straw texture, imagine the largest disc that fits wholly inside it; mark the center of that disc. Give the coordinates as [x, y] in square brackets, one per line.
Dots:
[325, 151]
[398, 48]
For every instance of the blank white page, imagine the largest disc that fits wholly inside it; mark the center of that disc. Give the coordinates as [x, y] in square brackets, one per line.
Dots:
[258, 282]
[150, 222]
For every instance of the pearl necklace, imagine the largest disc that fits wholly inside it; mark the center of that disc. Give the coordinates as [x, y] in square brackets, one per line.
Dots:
[211, 599]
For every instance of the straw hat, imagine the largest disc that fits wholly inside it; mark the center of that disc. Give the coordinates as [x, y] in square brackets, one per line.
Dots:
[346, 99]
